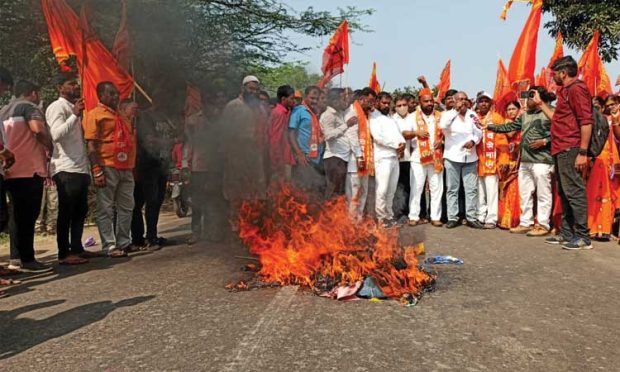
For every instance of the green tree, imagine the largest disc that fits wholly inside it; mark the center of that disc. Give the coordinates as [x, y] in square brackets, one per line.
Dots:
[293, 74]
[577, 20]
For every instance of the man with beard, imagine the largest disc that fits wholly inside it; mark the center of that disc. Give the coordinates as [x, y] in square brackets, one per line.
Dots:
[69, 169]
[426, 159]
[488, 182]
[244, 144]
[305, 137]
[389, 146]
[337, 146]
[279, 148]
[461, 135]
[571, 128]
[361, 164]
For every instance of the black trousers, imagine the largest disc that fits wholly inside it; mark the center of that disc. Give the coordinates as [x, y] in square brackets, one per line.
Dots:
[403, 190]
[25, 195]
[572, 190]
[4, 209]
[336, 175]
[72, 210]
[149, 193]
[208, 206]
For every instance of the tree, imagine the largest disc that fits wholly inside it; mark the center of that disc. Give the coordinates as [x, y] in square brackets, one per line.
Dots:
[293, 74]
[577, 20]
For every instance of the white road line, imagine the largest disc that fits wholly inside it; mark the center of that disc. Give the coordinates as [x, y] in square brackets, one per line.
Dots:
[245, 351]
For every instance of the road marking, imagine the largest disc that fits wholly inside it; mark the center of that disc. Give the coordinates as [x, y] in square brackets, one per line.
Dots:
[246, 349]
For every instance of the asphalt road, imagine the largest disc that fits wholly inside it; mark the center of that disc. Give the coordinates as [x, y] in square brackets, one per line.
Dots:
[516, 304]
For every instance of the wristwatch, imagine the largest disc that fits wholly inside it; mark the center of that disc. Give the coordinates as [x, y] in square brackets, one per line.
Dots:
[583, 152]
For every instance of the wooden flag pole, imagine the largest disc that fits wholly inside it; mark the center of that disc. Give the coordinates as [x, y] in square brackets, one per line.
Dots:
[139, 88]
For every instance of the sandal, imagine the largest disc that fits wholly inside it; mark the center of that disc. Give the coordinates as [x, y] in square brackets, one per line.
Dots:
[117, 253]
[72, 260]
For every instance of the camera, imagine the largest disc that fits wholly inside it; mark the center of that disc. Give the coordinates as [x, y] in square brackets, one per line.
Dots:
[527, 94]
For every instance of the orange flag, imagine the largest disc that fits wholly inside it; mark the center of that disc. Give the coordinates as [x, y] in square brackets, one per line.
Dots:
[593, 71]
[193, 100]
[523, 61]
[503, 93]
[558, 51]
[336, 54]
[120, 49]
[444, 82]
[541, 79]
[373, 83]
[68, 38]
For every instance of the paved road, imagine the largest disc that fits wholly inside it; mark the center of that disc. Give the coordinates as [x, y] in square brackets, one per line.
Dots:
[516, 304]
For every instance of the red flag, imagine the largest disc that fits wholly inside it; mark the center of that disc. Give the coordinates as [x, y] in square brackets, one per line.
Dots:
[336, 54]
[373, 83]
[503, 93]
[523, 61]
[193, 100]
[120, 49]
[444, 82]
[558, 51]
[593, 71]
[68, 38]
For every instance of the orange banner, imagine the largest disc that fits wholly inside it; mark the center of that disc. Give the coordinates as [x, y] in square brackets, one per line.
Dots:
[444, 81]
[336, 54]
[373, 83]
[523, 62]
[592, 69]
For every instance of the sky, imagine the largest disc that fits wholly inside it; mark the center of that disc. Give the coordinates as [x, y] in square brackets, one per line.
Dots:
[415, 37]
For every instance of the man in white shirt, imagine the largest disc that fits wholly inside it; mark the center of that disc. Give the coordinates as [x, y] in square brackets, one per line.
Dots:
[405, 121]
[361, 165]
[69, 169]
[389, 146]
[426, 159]
[461, 134]
[337, 145]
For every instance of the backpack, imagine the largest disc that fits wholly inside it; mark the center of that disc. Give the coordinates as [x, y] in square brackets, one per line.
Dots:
[600, 133]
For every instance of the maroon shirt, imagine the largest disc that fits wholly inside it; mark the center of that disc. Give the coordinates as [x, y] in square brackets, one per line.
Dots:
[573, 110]
[279, 149]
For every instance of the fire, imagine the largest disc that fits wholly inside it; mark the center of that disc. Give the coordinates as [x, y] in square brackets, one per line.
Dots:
[317, 246]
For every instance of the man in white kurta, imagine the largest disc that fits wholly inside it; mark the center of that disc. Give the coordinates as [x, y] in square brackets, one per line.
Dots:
[389, 145]
[405, 121]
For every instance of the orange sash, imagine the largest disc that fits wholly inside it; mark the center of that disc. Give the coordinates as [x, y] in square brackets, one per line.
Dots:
[365, 141]
[428, 154]
[122, 144]
[487, 153]
[316, 134]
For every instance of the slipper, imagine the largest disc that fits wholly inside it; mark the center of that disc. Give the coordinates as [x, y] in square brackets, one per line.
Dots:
[72, 260]
[117, 253]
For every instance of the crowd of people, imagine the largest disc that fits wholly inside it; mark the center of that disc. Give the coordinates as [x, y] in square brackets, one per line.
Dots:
[521, 166]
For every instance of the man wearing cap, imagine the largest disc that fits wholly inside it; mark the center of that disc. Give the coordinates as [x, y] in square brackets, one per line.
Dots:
[461, 135]
[306, 139]
[488, 182]
[426, 159]
[244, 147]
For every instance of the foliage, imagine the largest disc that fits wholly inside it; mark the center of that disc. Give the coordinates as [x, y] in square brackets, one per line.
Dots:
[577, 20]
[293, 74]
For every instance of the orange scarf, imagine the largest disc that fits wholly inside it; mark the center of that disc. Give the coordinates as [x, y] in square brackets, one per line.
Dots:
[430, 155]
[315, 137]
[365, 141]
[487, 153]
[122, 144]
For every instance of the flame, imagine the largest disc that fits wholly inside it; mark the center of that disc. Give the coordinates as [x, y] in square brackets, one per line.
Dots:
[317, 246]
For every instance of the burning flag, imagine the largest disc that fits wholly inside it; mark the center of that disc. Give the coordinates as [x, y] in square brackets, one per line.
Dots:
[444, 82]
[373, 83]
[336, 54]
[592, 69]
[523, 60]
[318, 247]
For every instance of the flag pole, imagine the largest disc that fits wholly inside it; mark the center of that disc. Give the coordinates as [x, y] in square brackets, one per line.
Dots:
[139, 88]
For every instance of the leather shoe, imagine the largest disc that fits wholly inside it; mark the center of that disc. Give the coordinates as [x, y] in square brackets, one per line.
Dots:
[452, 224]
[475, 225]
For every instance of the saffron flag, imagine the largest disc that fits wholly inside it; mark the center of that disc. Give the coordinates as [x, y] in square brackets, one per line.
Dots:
[336, 54]
[558, 51]
[503, 93]
[373, 83]
[68, 38]
[541, 79]
[444, 82]
[193, 100]
[120, 49]
[523, 61]
[593, 71]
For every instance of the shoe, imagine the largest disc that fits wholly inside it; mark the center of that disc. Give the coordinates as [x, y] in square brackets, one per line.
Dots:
[521, 229]
[555, 240]
[162, 241]
[153, 246]
[475, 224]
[452, 224]
[437, 223]
[538, 231]
[577, 244]
[413, 222]
[489, 226]
[35, 267]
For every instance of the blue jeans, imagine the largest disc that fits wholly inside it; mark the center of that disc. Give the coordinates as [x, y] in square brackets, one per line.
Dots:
[469, 173]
